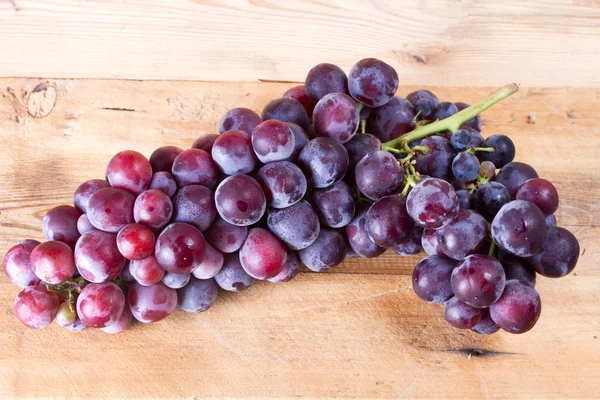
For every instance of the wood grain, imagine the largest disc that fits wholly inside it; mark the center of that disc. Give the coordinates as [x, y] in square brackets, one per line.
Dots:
[357, 332]
[444, 42]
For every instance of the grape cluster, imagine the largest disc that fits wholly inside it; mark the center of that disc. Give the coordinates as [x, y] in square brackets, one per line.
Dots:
[338, 167]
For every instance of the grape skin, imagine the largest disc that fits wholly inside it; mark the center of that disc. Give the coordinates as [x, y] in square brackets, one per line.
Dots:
[444, 110]
[129, 170]
[336, 116]
[461, 315]
[151, 303]
[226, 237]
[431, 279]
[465, 138]
[334, 205]
[100, 304]
[17, 264]
[198, 295]
[437, 162]
[392, 120]
[412, 244]
[464, 199]
[518, 309]
[233, 153]
[478, 280]
[465, 235]
[489, 199]
[60, 223]
[195, 205]
[205, 142]
[520, 228]
[290, 269]
[273, 140]
[358, 147]
[211, 264]
[283, 182]
[388, 222]
[35, 306]
[110, 209]
[424, 103]
[195, 166]
[153, 208]
[240, 200]
[97, 256]
[432, 203]
[430, 243]
[232, 276]
[135, 242]
[180, 248]
[372, 82]
[121, 324]
[465, 167]
[486, 325]
[299, 93]
[175, 281]
[358, 237]
[474, 123]
[262, 255]
[504, 150]
[164, 182]
[300, 140]
[286, 109]
[239, 119]
[53, 262]
[324, 162]
[513, 175]
[146, 271]
[558, 255]
[83, 193]
[323, 79]
[515, 268]
[379, 174]
[540, 192]
[326, 252]
[162, 158]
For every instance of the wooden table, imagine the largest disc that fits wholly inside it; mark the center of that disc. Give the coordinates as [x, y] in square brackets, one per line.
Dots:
[358, 331]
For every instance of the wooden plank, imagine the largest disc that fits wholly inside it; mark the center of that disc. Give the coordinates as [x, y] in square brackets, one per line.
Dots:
[449, 43]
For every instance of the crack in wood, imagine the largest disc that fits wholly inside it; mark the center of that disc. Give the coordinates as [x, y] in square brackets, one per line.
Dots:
[121, 109]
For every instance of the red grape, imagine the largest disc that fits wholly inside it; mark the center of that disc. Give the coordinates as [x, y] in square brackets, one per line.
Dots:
[334, 205]
[378, 174]
[35, 306]
[110, 209]
[388, 222]
[240, 200]
[324, 161]
[17, 264]
[358, 147]
[84, 225]
[180, 248]
[53, 262]
[60, 223]
[299, 93]
[520, 228]
[358, 237]
[176, 281]
[297, 226]
[129, 170]
[290, 269]
[372, 82]
[489, 199]
[162, 158]
[411, 245]
[164, 182]
[437, 162]
[146, 271]
[461, 315]
[486, 325]
[430, 243]
[328, 251]
[121, 323]
[195, 205]
[558, 255]
[444, 110]
[153, 208]
[300, 140]
[283, 182]
[286, 110]
[465, 167]
[392, 120]
[466, 234]
[273, 140]
[195, 166]
[518, 309]
[151, 303]
[478, 280]
[135, 242]
[336, 116]
[100, 304]
[86, 190]
[233, 153]
[514, 174]
[432, 203]
[242, 119]
[431, 279]
[205, 142]
[323, 79]
[541, 193]
[198, 295]
[226, 237]
[262, 255]
[232, 276]
[464, 199]
[97, 256]
[515, 268]
[210, 265]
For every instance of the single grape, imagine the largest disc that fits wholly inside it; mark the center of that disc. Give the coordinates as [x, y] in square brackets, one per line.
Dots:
[486, 325]
[239, 119]
[290, 269]
[162, 158]
[558, 255]
[53, 262]
[110, 209]
[334, 205]
[129, 170]
[392, 120]
[388, 222]
[78, 325]
[198, 295]
[176, 281]
[431, 279]
[153, 208]
[464, 199]
[286, 109]
[273, 140]
[461, 315]
[518, 309]
[180, 248]
[300, 140]
[465, 167]
[444, 110]
[100, 304]
[205, 142]
[60, 223]
[336, 116]
[430, 243]
[151, 303]
[412, 244]
[465, 138]
[487, 170]
[283, 182]
[372, 82]
[473, 123]
[210, 265]
[358, 237]
[379, 174]
[86, 190]
[520, 228]
[323, 79]
[437, 162]
[299, 93]
[195, 166]
[297, 226]
[97, 256]
[504, 150]
[232, 276]
[146, 271]
[358, 147]
[328, 251]
[424, 102]
[551, 221]
[226, 237]
[489, 199]
[164, 182]
[478, 280]
[233, 153]
[466, 234]
[515, 268]
[17, 264]
[121, 324]
[135, 242]
[540, 192]
[35, 306]
[432, 203]
[65, 315]
[240, 200]
[324, 162]
[514, 174]
[262, 255]
[195, 205]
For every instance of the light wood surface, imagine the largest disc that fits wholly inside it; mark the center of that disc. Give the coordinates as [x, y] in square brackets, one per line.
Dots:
[549, 43]
[357, 332]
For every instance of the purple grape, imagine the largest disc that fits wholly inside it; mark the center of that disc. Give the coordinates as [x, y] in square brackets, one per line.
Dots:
[518, 309]
[198, 295]
[299, 93]
[205, 142]
[297, 226]
[464, 199]
[437, 163]
[97, 256]
[17, 264]
[273, 140]
[388, 222]
[486, 325]
[176, 281]
[541, 193]
[60, 223]
[461, 315]
[211, 264]
[551, 221]
[424, 102]
[466, 234]
[473, 123]
[515, 268]
[520, 228]
[180, 248]
[379, 174]
[162, 158]
[358, 237]
[240, 200]
[226, 237]
[233, 153]
[100, 304]
[151, 303]
[195, 205]
[239, 119]
[465, 138]
[110, 209]
[478, 280]
[372, 82]
[513, 175]
[392, 120]
[334, 205]
[336, 116]
[358, 147]
[86, 190]
[431, 279]
[489, 199]
[153, 208]
[164, 182]
[324, 162]
[120, 325]
[35, 306]
[430, 243]
[444, 110]
[262, 255]
[290, 269]
[328, 251]
[412, 244]
[129, 170]
[504, 150]
[323, 79]
[286, 109]
[558, 255]
[432, 203]
[232, 276]
[195, 167]
[300, 140]
[283, 182]
[53, 262]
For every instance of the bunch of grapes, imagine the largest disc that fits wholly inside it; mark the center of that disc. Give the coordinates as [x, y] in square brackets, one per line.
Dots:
[338, 167]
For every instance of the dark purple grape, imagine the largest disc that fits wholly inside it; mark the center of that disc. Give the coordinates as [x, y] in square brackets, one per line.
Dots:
[153, 208]
[464, 199]
[164, 182]
[180, 248]
[233, 153]
[86, 190]
[424, 102]
[328, 251]
[205, 142]
[240, 200]
[135, 242]
[392, 120]
[300, 140]
[297, 226]
[226, 237]
[388, 222]
[323, 79]
[324, 162]
[195, 167]
[541, 193]
[430, 243]
[151, 303]
[299, 93]
[444, 110]
[195, 205]
[486, 325]
[176, 281]
[100, 304]
[358, 147]
[286, 109]
[262, 255]
[129, 170]
[211, 264]
[53, 262]
[520, 228]
[358, 237]
[283, 182]
[461, 315]
[412, 244]
[478, 280]
[551, 221]
[110, 209]
[465, 167]
[232, 276]
[465, 138]
[146, 271]
[336, 116]
[487, 170]
[432, 203]
[515, 268]
[466, 234]
[437, 163]
[489, 199]
[60, 223]
[334, 205]
[118, 326]
[35, 306]
[431, 279]
[514, 174]
[290, 269]
[273, 140]
[162, 158]
[379, 174]
[518, 309]
[97, 256]
[198, 295]
[505, 150]
[239, 119]
[558, 255]
[17, 264]
[372, 82]
[473, 123]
